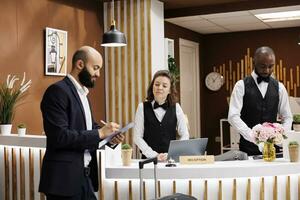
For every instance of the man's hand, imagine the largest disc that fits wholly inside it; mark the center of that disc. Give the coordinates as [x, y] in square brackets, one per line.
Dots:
[117, 139]
[108, 129]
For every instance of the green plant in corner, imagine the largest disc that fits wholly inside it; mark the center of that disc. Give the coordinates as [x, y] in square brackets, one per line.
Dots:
[21, 125]
[126, 147]
[10, 94]
[296, 118]
[174, 70]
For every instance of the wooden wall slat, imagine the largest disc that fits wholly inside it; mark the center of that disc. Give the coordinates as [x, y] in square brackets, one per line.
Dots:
[262, 189]
[14, 175]
[129, 65]
[234, 190]
[123, 71]
[31, 174]
[149, 49]
[109, 68]
[136, 52]
[220, 190]
[116, 190]
[116, 76]
[41, 156]
[22, 174]
[275, 188]
[7, 182]
[143, 61]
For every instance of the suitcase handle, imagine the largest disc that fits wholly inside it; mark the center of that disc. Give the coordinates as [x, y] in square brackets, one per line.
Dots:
[150, 160]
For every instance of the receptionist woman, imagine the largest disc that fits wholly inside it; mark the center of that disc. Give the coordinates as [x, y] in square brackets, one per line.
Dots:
[159, 118]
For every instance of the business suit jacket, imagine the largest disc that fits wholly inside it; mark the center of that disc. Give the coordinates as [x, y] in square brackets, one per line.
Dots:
[67, 138]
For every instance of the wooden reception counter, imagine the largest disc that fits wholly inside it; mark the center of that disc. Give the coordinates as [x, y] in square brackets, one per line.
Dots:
[231, 180]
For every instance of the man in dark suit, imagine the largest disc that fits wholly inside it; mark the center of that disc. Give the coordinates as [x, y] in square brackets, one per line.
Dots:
[69, 169]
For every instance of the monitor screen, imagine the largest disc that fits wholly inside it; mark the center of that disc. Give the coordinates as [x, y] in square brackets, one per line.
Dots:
[187, 148]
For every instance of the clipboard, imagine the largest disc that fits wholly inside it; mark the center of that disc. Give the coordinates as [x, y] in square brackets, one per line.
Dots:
[110, 137]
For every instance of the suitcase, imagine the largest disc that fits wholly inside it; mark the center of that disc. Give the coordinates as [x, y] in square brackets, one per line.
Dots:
[177, 196]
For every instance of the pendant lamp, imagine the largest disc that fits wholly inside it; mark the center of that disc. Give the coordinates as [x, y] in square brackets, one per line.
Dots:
[113, 37]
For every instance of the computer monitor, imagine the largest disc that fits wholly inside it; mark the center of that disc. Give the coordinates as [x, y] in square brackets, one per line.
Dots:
[186, 148]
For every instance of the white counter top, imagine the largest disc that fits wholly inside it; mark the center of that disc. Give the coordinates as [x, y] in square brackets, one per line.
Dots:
[228, 169]
[26, 141]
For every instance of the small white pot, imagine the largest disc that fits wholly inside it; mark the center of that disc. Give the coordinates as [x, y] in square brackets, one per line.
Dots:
[5, 129]
[21, 131]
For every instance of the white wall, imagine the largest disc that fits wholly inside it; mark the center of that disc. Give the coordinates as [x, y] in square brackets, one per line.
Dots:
[157, 36]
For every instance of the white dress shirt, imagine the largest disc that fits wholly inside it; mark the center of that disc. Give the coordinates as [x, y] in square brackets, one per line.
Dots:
[236, 105]
[83, 92]
[138, 130]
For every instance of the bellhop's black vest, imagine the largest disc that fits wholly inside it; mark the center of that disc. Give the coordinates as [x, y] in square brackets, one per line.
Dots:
[257, 110]
[159, 134]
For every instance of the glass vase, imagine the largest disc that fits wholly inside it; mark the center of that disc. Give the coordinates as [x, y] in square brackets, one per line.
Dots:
[269, 152]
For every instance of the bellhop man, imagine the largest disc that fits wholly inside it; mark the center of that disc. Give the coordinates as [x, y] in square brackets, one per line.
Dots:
[258, 98]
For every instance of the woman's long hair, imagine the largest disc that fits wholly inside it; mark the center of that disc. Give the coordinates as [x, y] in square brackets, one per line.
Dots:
[172, 97]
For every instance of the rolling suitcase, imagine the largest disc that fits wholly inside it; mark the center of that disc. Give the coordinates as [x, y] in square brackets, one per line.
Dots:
[177, 196]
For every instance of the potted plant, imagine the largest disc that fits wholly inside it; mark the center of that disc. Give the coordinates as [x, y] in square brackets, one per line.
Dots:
[21, 129]
[10, 94]
[296, 122]
[126, 153]
[174, 70]
[294, 151]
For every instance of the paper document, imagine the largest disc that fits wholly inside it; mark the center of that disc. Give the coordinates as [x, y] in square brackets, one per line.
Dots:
[110, 137]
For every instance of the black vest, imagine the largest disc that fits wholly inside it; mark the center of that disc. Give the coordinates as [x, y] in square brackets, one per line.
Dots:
[257, 110]
[159, 134]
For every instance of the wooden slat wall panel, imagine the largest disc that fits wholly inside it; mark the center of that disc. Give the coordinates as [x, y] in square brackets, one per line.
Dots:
[22, 175]
[31, 174]
[128, 69]
[7, 179]
[14, 175]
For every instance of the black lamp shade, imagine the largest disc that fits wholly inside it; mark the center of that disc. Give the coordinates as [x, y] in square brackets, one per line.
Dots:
[113, 38]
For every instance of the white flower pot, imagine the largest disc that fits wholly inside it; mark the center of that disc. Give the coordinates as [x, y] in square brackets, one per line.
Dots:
[21, 131]
[5, 129]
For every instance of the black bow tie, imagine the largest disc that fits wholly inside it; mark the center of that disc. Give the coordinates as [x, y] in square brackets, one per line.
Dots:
[265, 79]
[164, 105]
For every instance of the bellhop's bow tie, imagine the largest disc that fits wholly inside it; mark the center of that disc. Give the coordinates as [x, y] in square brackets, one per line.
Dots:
[164, 105]
[265, 79]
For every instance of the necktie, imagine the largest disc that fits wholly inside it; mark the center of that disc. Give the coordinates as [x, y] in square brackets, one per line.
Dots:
[164, 105]
[260, 79]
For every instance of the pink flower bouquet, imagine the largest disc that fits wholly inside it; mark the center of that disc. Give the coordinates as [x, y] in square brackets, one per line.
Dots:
[269, 132]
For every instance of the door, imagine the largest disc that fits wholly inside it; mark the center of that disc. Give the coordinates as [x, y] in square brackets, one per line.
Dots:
[189, 84]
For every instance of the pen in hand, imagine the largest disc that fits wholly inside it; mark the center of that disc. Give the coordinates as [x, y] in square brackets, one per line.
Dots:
[103, 122]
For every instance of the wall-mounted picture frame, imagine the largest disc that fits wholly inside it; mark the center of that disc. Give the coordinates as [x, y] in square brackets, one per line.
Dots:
[56, 52]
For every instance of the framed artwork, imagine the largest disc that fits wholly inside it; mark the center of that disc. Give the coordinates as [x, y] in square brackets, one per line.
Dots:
[56, 52]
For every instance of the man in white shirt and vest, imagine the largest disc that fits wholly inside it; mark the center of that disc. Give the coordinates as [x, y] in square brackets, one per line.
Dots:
[258, 98]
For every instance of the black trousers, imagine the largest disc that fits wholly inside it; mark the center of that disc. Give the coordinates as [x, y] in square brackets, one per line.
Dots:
[86, 193]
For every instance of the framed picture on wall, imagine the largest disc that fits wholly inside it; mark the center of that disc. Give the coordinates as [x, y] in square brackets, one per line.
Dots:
[56, 52]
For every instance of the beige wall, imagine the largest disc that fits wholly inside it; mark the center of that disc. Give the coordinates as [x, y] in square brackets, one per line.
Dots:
[22, 25]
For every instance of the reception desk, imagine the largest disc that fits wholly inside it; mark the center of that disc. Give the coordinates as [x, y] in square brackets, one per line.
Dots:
[232, 180]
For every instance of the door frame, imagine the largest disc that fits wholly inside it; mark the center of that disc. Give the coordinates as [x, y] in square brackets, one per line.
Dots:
[195, 45]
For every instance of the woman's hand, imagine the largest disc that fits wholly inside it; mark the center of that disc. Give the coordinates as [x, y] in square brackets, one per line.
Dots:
[162, 157]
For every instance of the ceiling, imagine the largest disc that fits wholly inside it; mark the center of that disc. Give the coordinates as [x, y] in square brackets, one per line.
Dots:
[221, 16]
[175, 4]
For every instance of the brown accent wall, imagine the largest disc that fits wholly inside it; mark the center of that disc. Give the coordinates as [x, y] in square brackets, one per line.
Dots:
[216, 49]
[22, 25]
[220, 48]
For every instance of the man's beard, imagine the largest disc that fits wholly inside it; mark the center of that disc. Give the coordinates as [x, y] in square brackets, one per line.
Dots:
[85, 78]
